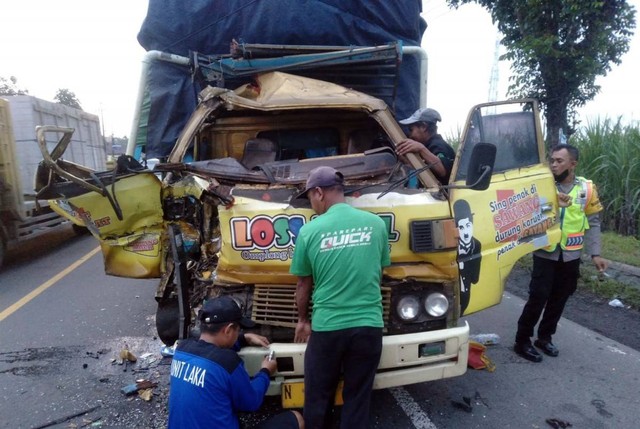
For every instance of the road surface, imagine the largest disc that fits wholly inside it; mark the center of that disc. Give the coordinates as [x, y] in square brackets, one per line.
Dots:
[63, 324]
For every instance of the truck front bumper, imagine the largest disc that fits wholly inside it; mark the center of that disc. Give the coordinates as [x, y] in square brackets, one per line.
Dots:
[406, 359]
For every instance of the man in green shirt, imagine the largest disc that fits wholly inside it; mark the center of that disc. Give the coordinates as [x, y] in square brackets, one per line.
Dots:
[339, 256]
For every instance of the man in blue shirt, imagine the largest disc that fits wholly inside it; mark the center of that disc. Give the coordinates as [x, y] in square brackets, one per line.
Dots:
[209, 383]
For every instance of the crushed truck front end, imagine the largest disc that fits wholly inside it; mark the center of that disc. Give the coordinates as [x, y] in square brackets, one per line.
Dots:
[219, 217]
[422, 340]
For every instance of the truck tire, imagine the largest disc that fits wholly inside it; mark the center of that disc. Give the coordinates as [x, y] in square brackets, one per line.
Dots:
[168, 320]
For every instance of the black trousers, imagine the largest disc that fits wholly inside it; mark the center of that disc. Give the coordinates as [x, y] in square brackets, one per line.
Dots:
[552, 283]
[355, 351]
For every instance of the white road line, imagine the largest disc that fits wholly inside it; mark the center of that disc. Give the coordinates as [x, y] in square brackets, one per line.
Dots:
[417, 416]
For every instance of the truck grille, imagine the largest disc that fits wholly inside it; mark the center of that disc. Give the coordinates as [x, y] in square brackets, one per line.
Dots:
[275, 305]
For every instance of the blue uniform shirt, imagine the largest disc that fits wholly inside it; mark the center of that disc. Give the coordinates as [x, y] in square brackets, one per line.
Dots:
[209, 385]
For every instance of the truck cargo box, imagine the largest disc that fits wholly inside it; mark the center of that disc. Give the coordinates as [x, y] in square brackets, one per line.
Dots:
[86, 148]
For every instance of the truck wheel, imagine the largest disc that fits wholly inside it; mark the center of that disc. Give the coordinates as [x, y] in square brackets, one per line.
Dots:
[168, 321]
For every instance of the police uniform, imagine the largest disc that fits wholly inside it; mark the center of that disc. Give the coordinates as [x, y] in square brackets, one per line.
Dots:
[556, 268]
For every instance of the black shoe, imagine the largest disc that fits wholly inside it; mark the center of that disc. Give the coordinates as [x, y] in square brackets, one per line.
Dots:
[527, 351]
[547, 347]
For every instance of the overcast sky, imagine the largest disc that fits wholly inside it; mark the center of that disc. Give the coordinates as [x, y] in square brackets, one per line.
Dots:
[90, 47]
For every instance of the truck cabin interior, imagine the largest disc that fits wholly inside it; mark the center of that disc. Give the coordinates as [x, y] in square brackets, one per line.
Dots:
[282, 147]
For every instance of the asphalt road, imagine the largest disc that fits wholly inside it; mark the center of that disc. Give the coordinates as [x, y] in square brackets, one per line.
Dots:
[59, 354]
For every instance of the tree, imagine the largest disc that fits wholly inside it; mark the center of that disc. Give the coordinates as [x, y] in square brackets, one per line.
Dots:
[68, 98]
[558, 48]
[9, 86]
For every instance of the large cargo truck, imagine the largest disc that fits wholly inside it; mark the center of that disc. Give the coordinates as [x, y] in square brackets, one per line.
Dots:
[216, 216]
[22, 216]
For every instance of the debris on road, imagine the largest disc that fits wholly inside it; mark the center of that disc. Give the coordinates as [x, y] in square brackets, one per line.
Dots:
[477, 357]
[616, 303]
[167, 351]
[146, 394]
[558, 424]
[486, 339]
[141, 384]
[126, 355]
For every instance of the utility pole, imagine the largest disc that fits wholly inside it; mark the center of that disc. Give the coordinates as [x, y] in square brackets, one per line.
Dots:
[494, 79]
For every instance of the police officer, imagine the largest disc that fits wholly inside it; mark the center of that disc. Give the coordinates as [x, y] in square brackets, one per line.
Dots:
[556, 268]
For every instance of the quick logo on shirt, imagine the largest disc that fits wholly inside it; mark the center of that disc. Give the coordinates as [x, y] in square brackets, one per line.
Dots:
[186, 372]
[345, 238]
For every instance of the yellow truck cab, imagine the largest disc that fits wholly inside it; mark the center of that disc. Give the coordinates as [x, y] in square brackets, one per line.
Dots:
[219, 217]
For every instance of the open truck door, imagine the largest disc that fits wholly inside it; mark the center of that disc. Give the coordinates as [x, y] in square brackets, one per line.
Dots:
[516, 212]
[121, 208]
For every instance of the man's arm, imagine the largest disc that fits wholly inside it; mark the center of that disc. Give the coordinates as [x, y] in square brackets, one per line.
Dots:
[247, 393]
[593, 242]
[303, 297]
[412, 146]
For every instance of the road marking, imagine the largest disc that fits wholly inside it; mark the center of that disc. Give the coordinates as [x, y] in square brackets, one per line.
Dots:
[417, 416]
[46, 285]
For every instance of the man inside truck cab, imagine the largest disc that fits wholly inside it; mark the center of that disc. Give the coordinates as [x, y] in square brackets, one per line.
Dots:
[425, 141]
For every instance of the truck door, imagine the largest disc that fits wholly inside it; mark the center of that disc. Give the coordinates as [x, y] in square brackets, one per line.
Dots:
[515, 215]
[121, 208]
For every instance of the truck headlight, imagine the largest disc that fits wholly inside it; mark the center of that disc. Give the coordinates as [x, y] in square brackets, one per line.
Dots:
[436, 304]
[408, 308]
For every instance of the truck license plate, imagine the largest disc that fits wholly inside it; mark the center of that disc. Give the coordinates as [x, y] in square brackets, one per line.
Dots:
[293, 395]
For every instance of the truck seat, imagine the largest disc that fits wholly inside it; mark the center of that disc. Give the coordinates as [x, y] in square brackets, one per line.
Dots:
[258, 152]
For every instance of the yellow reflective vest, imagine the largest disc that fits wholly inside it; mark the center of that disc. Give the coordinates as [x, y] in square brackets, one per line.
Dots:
[573, 219]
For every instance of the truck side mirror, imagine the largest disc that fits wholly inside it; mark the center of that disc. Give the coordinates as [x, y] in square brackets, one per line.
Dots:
[481, 165]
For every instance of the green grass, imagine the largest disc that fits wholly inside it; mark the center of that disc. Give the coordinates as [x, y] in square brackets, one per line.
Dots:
[610, 156]
[620, 248]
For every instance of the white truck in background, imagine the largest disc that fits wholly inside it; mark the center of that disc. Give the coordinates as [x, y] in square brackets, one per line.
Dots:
[21, 218]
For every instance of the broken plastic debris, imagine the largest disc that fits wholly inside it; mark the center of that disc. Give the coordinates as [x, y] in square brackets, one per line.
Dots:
[486, 339]
[125, 354]
[129, 389]
[146, 394]
[616, 303]
[140, 384]
[167, 351]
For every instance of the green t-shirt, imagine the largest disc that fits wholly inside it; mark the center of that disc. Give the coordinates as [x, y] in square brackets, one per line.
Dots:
[344, 250]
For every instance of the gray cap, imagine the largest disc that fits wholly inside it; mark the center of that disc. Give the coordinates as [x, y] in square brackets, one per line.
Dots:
[321, 177]
[422, 115]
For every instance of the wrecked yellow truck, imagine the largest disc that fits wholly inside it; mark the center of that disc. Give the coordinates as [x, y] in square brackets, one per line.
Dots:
[218, 217]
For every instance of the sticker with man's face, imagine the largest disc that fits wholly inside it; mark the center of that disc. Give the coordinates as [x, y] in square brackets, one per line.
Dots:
[469, 252]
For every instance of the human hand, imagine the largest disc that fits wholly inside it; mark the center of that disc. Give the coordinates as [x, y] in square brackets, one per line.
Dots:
[303, 332]
[270, 365]
[256, 340]
[564, 200]
[600, 263]
[409, 146]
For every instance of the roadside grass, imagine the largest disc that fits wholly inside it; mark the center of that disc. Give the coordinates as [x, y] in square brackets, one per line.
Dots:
[617, 248]
[620, 248]
[610, 156]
